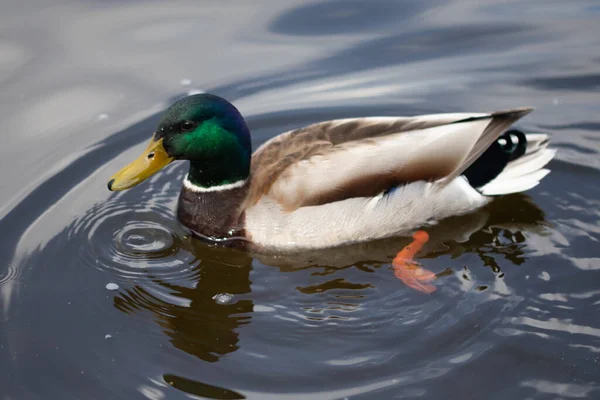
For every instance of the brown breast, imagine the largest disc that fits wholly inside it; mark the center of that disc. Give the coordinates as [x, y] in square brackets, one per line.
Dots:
[214, 214]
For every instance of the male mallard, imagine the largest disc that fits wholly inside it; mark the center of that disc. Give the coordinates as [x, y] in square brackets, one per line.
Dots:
[335, 182]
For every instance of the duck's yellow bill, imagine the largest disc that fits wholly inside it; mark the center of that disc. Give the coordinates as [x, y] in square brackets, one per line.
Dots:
[151, 161]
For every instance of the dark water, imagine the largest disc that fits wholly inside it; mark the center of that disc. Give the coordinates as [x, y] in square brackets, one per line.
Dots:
[516, 314]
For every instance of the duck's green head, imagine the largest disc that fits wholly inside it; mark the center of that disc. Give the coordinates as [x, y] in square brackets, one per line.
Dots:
[203, 128]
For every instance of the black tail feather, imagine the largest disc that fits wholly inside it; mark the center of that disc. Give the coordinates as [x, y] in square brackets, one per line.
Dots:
[508, 147]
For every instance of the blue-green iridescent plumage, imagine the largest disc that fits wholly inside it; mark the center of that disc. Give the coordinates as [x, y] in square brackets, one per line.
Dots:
[211, 133]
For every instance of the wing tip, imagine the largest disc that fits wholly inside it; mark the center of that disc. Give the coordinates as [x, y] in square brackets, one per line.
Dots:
[512, 114]
[516, 113]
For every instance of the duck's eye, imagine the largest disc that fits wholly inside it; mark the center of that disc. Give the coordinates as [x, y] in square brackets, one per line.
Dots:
[187, 126]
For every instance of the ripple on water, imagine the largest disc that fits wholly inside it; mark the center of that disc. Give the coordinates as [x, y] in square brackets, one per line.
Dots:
[9, 274]
[132, 240]
[145, 240]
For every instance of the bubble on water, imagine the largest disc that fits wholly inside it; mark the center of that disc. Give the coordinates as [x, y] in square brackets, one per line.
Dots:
[185, 82]
[107, 336]
[112, 286]
[223, 298]
[102, 117]
[544, 276]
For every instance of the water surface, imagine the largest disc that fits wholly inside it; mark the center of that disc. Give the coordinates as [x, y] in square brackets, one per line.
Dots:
[83, 84]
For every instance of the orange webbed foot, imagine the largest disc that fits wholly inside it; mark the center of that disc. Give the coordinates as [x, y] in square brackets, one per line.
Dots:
[410, 272]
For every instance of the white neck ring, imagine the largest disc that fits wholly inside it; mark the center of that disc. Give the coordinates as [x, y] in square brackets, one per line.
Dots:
[219, 188]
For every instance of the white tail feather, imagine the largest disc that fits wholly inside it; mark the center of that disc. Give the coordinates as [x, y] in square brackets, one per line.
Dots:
[536, 141]
[526, 171]
[514, 185]
[527, 164]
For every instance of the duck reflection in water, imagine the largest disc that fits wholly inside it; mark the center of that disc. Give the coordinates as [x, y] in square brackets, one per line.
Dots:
[203, 326]
[209, 330]
[495, 230]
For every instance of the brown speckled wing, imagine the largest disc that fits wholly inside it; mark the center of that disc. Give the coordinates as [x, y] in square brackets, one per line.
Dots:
[336, 160]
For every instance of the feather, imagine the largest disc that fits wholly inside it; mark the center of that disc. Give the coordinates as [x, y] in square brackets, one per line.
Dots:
[337, 160]
[527, 164]
[536, 141]
[359, 219]
[524, 172]
[500, 121]
[271, 159]
[514, 185]
[369, 167]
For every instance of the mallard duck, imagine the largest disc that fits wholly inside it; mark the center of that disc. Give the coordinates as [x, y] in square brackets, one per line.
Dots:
[336, 182]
